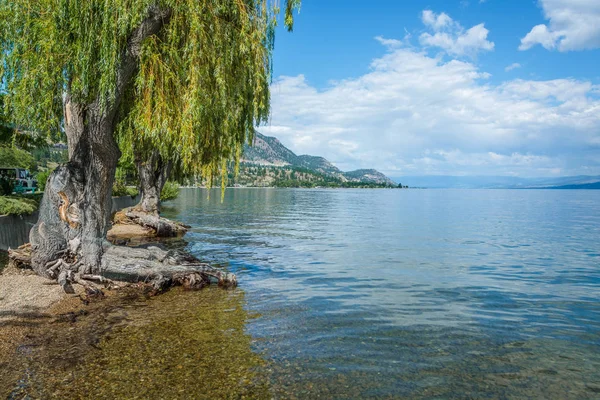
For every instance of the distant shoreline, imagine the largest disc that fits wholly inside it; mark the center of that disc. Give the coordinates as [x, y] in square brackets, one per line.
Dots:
[279, 187]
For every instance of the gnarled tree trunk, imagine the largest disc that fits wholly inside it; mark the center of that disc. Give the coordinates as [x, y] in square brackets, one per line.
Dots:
[75, 210]
[153, 172]
[68, 242]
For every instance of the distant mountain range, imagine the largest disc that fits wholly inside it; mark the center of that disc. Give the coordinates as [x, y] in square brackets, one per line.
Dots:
[500, 182]
[270, 163]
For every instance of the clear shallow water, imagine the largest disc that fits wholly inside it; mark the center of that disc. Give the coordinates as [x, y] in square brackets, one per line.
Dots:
[412, 293]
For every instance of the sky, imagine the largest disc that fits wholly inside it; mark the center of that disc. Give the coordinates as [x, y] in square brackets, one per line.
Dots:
[454, 87]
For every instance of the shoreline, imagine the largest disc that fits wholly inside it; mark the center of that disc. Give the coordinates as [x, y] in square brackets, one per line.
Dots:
[116, 346]
[28, 304]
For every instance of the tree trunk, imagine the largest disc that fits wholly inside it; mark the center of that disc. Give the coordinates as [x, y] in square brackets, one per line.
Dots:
[75, 210]
[153, 172]
[68, 242]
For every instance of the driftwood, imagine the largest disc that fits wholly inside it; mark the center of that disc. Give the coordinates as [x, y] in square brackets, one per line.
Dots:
[150, 265]
[161, 227]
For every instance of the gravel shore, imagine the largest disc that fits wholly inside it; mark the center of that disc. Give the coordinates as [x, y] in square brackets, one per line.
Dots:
[23, 292]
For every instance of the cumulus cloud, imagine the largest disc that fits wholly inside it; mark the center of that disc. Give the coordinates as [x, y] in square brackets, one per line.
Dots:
[512, 66]
[574, 25]
[417, 114]
[449, 35]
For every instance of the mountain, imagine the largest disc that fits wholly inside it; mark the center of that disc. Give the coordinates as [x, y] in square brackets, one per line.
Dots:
[494, 182]
[269, 163]
[593, 185]
[268, 150]
[369, 175]
[319, 164]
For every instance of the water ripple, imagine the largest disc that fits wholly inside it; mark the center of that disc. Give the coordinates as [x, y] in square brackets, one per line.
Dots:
[419, 293]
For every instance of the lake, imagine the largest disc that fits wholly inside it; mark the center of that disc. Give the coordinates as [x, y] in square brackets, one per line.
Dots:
[411, 293]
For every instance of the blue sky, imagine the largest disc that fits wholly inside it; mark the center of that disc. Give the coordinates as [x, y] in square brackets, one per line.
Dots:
[442, 87]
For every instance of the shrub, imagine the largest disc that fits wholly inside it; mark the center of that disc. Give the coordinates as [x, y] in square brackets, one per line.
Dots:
[11, 156]
[42, 178]
[16, 205]
[170, 191]
[6, 186]
[119, 189]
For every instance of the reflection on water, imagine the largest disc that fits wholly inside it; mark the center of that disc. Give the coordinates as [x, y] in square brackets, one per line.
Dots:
[421, 293]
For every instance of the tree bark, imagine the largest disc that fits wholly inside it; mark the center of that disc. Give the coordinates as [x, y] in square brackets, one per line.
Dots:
[153, 172]
[75, 209]
[68, 242]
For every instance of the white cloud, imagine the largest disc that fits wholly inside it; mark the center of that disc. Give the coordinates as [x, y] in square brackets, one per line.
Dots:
[389, 42]
[512, 66]
[436, 21]
[574, 25]
[451, 36]
[417, 114]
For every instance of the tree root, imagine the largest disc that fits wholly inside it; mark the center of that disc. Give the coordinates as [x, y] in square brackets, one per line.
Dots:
[160, 267]
[21, 257]
[152, 266]
[161, 227]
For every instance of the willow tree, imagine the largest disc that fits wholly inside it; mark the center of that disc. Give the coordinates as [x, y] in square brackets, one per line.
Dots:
[187, 76]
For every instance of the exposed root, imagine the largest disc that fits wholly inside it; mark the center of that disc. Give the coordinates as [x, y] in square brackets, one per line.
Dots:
[159, 226]
[56, 266]
[98, 278]
[21, 257]
[65, 277]
[152, 266]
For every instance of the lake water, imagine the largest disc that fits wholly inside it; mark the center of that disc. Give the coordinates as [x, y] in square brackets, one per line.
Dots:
[412, 293]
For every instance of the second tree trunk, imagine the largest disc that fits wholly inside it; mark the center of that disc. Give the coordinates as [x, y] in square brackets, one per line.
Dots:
[153, 172]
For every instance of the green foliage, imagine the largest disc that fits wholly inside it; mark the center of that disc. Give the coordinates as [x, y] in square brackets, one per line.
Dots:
[11, 156]
[18, 205]
[42, 178]
[119, 189]
[6, 131]
[201, 86]
[123, 180]
[170, 191]
[6, 186]
[126, 174]
[46, 155]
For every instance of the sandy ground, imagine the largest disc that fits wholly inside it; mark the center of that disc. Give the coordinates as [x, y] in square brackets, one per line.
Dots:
[23, 292]
[25, 300]
[125, 231]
